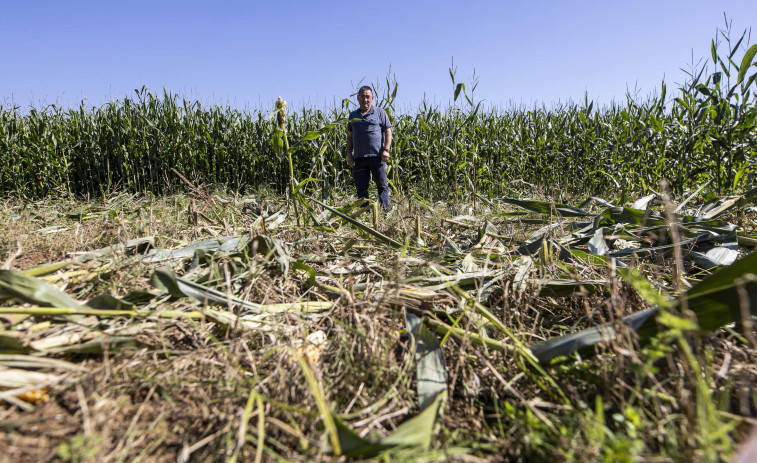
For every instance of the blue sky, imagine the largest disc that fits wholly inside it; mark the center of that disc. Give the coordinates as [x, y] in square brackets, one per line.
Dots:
[245, 54]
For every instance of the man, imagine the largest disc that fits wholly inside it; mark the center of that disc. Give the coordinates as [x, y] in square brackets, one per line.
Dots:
[369, 134]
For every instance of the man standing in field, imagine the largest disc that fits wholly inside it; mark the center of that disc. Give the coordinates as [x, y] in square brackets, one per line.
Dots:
[369, 135]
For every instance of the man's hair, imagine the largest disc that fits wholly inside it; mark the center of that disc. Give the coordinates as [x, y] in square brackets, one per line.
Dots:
[365, 87]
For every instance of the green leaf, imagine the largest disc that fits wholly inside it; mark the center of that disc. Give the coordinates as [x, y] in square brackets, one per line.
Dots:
[302, 184]
[419, 430]
[33, 291]
[582, 341]
[701, 88]
[749, 81]
[320, 399]
[718, 207]
[354, 446]
[472, 117]
[429, 358]
[137, 245]
[735, 48]
[509, 214]
[715, 301]
[98, 346]
[361, 226]
[164, 279]
[746, 62]
[227, 243]
[310, 135]
[460, 86]
[713, 52]
[675, 322]
[310, 271]
[645, 289]
[272, 248]
[108, 302]
[11, 345]
[633, 216]
[545, 207]
[415, 432]
[563, 288]
[47, 269]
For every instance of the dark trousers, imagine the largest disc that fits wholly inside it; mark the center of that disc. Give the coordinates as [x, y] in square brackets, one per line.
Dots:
[363, 170]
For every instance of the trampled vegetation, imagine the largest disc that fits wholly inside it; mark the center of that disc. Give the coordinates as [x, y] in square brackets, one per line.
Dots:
[229, 303]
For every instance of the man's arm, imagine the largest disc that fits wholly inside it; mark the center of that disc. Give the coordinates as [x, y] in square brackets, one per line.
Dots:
[350, 159]
[387, 144]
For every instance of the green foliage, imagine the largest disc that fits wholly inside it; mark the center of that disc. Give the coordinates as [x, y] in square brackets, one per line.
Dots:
[80, 448]
[704, 134]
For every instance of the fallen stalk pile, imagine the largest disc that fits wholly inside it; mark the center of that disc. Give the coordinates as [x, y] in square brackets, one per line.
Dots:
[515, 333]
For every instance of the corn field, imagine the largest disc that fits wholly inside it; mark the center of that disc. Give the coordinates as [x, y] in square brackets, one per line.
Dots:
[466, 323]
[706, 133]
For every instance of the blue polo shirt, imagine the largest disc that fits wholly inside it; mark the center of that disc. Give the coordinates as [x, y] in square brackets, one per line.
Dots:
[368, 132]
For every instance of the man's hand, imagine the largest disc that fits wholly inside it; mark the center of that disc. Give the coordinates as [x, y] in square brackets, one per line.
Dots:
[350, 160]
[387, 144]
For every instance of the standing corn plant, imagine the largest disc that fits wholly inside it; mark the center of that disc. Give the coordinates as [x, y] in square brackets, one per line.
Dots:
[280, 110]
[328, 130]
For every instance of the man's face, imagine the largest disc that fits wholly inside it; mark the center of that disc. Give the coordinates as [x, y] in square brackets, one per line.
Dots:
[365, 98]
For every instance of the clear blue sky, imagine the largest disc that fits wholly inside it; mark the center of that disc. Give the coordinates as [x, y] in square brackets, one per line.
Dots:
[245, 54]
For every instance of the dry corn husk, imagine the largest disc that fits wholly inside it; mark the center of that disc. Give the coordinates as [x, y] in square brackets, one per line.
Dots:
[15, 378]
[314, 346]
[35, 397]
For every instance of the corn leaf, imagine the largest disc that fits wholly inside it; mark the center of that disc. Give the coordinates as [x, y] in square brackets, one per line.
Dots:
[32, 290]
[361, 226]
[415, 432]
[11, 345]
[419, 430]
[273, 248]
[47, 269]
[129, 247]
[430, 367]
[562, 288]
[223, 243]
[642, 203]
[165, 280]
[746, 63]
[99, 345]
[545, 207]
[632, 216]
[715, 301]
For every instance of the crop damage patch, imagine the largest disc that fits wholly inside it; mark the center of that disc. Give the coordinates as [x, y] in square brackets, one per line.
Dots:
[187, 347]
